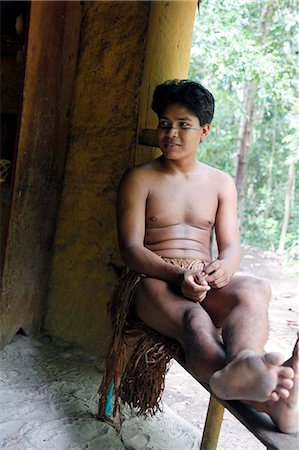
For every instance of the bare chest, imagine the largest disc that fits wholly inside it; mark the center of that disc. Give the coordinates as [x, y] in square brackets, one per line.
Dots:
[193, 203]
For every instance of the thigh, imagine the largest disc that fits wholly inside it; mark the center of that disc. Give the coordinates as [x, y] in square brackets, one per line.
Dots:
[160, 306]
[241, 290]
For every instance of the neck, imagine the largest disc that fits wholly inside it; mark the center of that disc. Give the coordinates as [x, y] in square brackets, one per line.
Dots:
[183, 166]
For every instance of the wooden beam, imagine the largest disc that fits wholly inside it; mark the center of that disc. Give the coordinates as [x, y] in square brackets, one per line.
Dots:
[148, 137]
[53, 40]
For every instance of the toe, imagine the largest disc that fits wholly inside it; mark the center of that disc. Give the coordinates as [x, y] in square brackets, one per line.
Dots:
[286, 372]
[274, 396]
[286, 383]
[282, 392]
[273, 358]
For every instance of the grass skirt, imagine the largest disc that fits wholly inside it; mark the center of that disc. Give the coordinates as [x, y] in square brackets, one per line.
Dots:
[139, 357]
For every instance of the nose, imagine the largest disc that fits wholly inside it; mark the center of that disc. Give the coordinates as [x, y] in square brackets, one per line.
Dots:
[172, 131]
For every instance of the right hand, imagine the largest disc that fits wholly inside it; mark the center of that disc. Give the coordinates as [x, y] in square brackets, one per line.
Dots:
[194, 286]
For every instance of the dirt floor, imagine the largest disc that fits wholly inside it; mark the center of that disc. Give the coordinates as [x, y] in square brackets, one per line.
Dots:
[48, 390]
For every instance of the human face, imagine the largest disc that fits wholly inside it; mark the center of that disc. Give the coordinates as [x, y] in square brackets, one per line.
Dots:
[179, 132]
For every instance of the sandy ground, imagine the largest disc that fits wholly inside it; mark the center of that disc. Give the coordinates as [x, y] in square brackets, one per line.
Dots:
[48, 389]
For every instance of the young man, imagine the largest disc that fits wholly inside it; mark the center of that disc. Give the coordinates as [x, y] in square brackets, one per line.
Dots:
[167, 209]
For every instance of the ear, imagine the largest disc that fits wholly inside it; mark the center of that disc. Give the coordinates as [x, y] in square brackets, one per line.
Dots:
[205, 131]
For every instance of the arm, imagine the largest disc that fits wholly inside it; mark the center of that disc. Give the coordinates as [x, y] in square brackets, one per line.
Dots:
[131, 210]
[219, 272]
[133, 193]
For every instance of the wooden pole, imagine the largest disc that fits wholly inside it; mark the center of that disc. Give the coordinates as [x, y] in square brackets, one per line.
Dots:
[212, 425]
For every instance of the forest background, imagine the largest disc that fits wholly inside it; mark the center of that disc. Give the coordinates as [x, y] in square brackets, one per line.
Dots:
[245, 53]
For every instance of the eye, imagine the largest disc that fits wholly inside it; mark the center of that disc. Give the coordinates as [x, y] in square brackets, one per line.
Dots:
[184, 125]
[164, 124]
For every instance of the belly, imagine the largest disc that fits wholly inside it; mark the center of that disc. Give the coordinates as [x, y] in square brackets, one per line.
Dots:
[179, 240]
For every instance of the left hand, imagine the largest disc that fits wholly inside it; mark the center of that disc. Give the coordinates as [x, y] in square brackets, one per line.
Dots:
[216, 274]
[194, 286]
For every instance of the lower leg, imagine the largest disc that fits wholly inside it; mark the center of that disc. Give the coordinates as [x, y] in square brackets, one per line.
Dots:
[249, 374]
[261, 372]
[203, 348]
[246, 326]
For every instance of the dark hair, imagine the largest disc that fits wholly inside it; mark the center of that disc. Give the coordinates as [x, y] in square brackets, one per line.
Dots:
[189, 93]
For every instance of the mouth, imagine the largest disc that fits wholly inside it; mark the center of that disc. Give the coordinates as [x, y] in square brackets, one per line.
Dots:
[171, 144]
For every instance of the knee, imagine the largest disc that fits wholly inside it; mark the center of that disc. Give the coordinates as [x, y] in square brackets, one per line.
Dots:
[198, 332]
[195, 321]
[264, 288]
[189, 320]
[249, 288]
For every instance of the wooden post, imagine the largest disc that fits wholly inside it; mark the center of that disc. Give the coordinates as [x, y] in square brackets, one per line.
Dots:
[169, 39]
[212, 425]
[53, 39]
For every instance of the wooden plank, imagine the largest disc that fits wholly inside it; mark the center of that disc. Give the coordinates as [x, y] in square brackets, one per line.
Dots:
[260, 425]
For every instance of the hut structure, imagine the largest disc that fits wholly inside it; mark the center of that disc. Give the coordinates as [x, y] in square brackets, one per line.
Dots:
[77, 82]
[77, 78]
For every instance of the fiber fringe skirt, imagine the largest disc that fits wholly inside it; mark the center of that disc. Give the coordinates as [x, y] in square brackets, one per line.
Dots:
[139, 357]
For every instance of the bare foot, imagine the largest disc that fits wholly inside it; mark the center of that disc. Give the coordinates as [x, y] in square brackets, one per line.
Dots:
[255, 377]
[285, 412]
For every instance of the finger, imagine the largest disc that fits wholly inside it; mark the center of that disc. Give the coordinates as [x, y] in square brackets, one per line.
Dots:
[200, 289]
[218, 284]
[191, 286]
[196, 277]
[211, 267]
[194, 284]
[212, 277]
[217, 278]
[200, 279]
[196, 292]
[218, 275]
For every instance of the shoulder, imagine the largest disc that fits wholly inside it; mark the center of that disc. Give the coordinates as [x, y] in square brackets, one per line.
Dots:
[138, 179]
[223, 182]
[141, 172]
[218, 175]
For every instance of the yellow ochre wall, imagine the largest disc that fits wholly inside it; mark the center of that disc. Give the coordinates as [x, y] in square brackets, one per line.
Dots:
[126, 48]
[169, 40]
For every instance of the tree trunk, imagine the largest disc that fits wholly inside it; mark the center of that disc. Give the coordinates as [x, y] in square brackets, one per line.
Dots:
[244, 137]
[247, 121]
[270, 167]
[287, 206]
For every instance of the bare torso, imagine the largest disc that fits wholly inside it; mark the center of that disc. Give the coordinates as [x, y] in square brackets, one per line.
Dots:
[168, 207]
[180, 214]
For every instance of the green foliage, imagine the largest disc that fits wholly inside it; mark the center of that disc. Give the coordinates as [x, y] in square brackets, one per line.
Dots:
[234, 43]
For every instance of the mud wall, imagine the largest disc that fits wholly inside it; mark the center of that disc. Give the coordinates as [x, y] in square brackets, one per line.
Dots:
[126, 49]
[86, 263]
